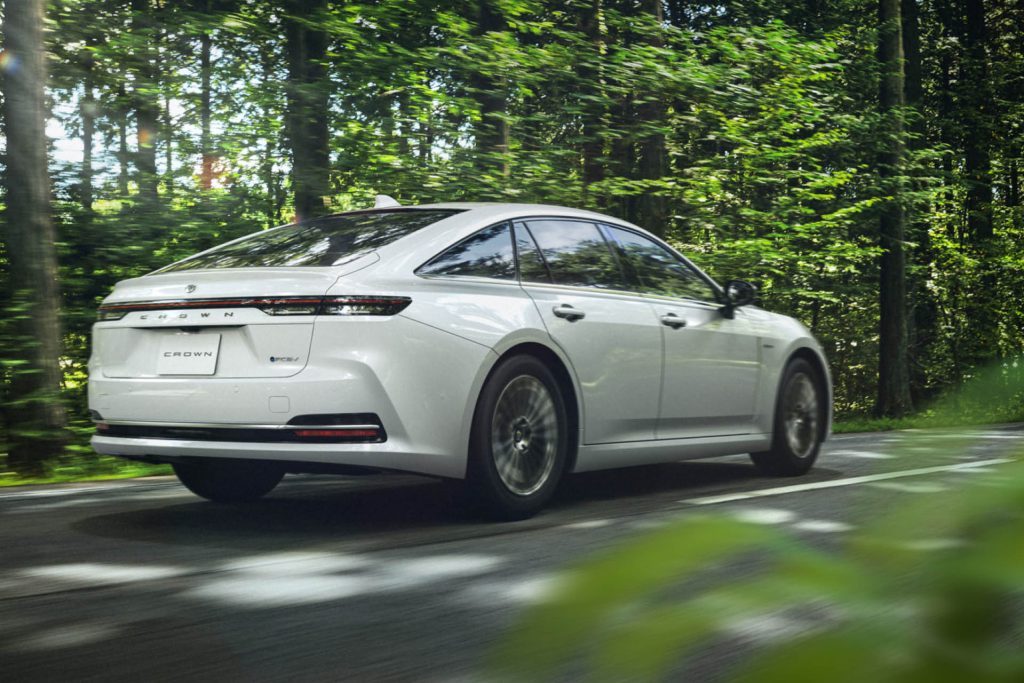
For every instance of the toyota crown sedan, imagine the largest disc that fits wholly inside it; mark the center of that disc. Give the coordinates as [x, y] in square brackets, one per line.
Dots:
[500, 346]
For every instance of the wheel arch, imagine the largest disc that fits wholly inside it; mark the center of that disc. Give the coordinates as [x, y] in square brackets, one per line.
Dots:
[560, 367]
[817, 361]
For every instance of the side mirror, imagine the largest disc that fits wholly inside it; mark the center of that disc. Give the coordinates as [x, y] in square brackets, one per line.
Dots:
[737, 293]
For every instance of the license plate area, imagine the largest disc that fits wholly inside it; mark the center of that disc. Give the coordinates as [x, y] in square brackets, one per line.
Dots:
[188, 354]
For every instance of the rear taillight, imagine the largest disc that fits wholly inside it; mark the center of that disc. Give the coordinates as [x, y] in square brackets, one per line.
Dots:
[364, 305]
[288, 305]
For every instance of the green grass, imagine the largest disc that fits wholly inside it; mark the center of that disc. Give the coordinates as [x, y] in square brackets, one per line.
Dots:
[85, 468]
[853, 424]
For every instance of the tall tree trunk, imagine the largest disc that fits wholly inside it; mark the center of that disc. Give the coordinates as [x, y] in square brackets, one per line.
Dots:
[978, 142]
[923, 321]
[34, 412]
[893, 376]
[977, 102]
[491, 131]
[122, 142]
[404, 124]
[308, 95]
[168, 147]
[146, 103]
[947, 125]
[593, 108]
[913, 86]
[205, 147]
[623, 152]
[1012, 184]
[270, 177]
[652, 208]
[88, 113]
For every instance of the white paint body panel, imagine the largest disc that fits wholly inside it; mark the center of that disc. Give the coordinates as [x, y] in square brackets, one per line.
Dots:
[616, 356]
[711, 371]
[646, 393]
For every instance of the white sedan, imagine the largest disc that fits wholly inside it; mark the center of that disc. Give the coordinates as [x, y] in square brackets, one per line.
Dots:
[499, 345]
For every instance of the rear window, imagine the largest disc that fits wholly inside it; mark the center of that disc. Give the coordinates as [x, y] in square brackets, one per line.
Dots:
[488, 253]
[324, 241]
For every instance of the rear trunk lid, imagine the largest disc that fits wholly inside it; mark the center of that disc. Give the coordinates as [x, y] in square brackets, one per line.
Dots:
[210, 324]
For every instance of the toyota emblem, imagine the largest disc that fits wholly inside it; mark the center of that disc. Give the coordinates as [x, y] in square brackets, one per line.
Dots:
[190, 289]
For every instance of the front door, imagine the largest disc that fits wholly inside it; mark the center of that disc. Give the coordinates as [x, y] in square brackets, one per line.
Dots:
[711, 363]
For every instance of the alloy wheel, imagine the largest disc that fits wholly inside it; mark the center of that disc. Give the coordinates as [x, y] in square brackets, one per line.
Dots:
[524, 435]
[801, 415]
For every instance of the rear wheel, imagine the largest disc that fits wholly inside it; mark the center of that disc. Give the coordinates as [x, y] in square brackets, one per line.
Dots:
[799, 423]
[519, 441]
[226, 481]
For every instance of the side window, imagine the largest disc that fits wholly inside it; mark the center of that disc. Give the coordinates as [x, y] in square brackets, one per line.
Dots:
[657, 270]
[488, 253]
[531, 264]
[577, 254]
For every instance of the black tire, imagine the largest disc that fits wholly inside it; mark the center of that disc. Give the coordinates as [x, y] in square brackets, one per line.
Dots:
[799, 427]
[519, 443]
[229, 481]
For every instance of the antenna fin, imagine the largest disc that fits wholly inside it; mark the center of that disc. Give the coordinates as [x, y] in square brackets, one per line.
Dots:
[382, 201]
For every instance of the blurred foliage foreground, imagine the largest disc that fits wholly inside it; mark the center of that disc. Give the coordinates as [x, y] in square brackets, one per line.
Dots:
[928, 588]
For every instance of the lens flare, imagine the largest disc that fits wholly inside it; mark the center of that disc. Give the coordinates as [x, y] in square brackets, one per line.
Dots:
[9, 62]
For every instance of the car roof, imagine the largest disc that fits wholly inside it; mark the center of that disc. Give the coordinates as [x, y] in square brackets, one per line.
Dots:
[494, 208]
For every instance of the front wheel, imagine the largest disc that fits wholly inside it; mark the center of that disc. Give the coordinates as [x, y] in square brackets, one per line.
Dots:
[227, 481]
[799, 423]
[519, 442]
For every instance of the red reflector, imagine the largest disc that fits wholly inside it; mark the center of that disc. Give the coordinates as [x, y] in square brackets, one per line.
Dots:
[337, 433]
[102, 426]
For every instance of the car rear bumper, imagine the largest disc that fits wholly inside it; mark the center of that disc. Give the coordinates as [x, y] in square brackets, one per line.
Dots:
[394, 454]
[420, 383]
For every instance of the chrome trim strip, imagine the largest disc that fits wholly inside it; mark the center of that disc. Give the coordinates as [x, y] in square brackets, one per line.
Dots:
[222, 425]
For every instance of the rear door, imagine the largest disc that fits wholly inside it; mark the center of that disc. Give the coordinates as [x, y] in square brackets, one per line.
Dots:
[712, 365]
[610, 335]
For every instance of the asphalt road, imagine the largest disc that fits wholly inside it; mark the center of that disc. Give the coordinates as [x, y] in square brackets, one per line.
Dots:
[375, 578]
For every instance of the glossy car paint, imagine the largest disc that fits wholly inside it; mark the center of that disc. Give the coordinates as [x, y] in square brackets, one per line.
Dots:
[645, 392]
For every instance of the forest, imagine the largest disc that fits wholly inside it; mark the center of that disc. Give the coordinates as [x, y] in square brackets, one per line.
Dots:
[859, 160]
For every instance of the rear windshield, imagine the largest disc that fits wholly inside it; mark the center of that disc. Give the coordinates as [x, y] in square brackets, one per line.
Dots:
[324, 241]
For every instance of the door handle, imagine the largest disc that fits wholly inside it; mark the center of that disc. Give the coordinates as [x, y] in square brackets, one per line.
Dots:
[673, 321]
[568, 312]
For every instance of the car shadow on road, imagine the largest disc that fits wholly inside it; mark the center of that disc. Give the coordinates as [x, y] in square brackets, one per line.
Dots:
[397, 510]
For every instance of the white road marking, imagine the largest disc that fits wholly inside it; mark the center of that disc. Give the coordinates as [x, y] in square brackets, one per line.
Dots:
[588, 524]
[765, 516]
[419, 571]
[522, 591]
[977, 470]
[823, 526]
[291, 563]
[49, 493]
[836, 483]
[916, 487]
[255, 590]
[97, 574]
[870, 455]
[283, 579]
[75, 635]
[972, 435]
